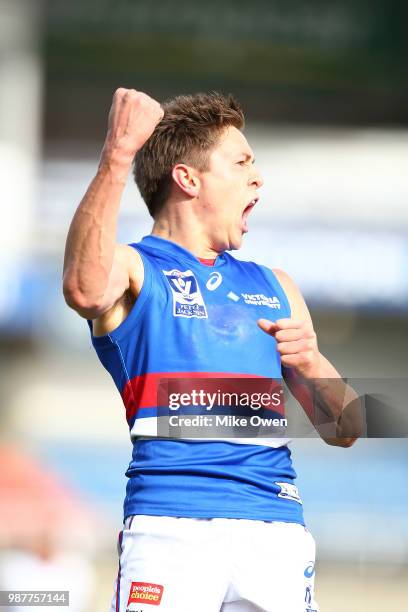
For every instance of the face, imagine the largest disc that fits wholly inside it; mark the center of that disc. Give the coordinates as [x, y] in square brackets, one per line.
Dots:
[228, 190]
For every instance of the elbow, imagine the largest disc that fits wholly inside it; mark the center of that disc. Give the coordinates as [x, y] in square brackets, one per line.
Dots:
[342, 442]
[81, 303]
[347, 442]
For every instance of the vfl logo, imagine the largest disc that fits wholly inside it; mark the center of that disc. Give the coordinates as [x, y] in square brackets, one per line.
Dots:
[187, 298]
[214, 281]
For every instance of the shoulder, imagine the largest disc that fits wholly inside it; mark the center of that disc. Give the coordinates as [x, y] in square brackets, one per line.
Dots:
[128, 256]
[296, 300]
[286, 281]
[128, 253]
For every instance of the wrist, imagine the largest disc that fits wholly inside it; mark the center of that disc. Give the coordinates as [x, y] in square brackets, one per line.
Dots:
[115, 167]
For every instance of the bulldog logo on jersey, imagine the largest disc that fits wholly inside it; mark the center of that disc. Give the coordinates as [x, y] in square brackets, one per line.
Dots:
[187, 298]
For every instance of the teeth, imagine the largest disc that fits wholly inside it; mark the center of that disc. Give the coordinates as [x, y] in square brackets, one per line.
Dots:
[252, 203]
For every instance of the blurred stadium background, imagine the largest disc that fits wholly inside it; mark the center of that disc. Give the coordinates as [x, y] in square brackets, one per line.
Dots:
[324, 88]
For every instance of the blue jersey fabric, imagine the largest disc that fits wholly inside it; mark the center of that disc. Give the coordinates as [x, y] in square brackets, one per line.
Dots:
[193, 320]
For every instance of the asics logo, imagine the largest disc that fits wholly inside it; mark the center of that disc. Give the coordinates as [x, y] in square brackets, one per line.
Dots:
[214, 281]
[309, 571]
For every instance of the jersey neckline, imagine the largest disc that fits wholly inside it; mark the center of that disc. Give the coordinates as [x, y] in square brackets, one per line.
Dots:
[163, 244]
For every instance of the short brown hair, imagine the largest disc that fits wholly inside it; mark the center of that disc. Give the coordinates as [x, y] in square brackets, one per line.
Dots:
[190, 128]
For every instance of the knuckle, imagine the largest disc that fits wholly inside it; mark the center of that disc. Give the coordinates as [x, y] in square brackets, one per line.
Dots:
[156, 108]
[130, 95]
[145, 99]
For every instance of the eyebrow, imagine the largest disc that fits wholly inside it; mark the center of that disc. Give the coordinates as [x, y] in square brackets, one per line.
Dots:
[248, 157]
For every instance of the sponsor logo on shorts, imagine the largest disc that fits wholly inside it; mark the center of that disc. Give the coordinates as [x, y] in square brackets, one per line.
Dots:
[310, 570]
[145, 592]
[289, 491]
[309, 600]
[259, 299]
[187, 298]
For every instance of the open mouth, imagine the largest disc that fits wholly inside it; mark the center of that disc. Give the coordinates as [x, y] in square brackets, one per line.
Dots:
[246, 212]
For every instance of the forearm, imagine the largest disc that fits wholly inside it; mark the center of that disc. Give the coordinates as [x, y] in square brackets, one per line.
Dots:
[335, 400]
[91, 240]
[330, 404]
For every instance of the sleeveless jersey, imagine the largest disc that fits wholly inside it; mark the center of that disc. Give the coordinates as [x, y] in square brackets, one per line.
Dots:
[193, 321]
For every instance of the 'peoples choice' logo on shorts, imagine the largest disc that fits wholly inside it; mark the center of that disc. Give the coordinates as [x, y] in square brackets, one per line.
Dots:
[145, 592]
[187, 298]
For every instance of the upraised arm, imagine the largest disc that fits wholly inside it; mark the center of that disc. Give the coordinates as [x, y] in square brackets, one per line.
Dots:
[97, 271]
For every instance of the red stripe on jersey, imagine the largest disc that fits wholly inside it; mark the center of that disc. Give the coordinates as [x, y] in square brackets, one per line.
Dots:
[207, 262]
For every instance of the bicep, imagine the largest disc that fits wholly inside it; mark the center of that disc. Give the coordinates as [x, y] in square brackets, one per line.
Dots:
[125, 285]
[125, 278]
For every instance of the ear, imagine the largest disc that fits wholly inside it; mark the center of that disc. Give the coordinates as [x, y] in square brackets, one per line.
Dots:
[186, 178]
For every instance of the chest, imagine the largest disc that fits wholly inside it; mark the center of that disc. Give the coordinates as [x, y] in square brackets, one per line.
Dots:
[218, 305]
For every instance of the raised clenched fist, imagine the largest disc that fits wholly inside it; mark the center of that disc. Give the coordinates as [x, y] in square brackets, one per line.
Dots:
[132, 119]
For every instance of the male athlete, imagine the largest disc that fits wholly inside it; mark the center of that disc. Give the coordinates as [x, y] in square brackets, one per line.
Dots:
[213, 524]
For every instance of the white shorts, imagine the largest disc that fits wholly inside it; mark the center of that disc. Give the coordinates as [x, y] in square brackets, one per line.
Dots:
[169, 564]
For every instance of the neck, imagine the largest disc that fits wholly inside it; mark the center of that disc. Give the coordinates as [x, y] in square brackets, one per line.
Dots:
[185, 230]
